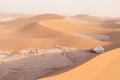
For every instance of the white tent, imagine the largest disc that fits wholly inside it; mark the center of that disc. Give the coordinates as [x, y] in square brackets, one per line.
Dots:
[98, 49]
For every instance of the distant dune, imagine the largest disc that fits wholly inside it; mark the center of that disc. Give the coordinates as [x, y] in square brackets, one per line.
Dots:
[91, 19]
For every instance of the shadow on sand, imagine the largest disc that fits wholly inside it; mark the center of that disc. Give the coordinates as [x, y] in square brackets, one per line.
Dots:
[39, 66]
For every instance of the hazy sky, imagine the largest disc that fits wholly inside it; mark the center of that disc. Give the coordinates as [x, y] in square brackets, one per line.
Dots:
[66, 7]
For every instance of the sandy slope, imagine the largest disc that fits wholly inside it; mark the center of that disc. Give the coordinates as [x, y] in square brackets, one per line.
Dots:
[103, 67]
[45, 31]
[66, 25]
[69, 41]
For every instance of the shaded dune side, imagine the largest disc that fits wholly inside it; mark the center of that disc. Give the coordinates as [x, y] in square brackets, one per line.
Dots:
[111, 24]
[107, 69]
[65, 26]
[114, 39]
[34, 30]
[89, 18]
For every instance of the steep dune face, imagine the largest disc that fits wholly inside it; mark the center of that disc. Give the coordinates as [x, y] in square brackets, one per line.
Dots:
[66, 25]
[103, 67]
[34, 30]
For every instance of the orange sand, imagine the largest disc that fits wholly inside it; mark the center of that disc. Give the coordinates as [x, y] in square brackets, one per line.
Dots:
[103, 67]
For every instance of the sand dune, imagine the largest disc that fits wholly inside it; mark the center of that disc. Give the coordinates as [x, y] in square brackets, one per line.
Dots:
[50, 30]
[103, 67]
[35, 30]
[4, 17]
[25, 22]
[112, 23]
[38, 30]
[45, 28]
[92, 20]
[47, 17]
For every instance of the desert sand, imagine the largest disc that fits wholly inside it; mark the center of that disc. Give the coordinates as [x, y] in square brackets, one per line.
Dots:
[54, 30]
[103, 67]
[54, 47]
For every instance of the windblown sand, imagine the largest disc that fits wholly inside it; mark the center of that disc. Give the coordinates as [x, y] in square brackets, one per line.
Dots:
[32, 47]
